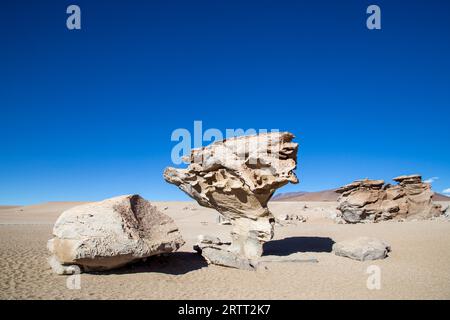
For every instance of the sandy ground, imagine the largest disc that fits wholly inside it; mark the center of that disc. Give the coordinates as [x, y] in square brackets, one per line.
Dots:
[417, 268]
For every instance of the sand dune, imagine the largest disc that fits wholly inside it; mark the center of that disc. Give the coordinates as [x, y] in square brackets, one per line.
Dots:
[417, 268]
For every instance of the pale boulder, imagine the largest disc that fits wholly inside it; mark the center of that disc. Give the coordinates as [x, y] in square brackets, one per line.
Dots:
[111, 233]
[362, 249]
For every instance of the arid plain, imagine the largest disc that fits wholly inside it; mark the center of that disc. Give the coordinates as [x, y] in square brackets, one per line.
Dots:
[417, 267]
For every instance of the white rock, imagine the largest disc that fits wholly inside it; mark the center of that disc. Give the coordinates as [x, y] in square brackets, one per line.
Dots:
[362, 249]
[111, 233]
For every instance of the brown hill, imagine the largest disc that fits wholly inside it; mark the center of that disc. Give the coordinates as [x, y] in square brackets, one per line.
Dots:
[328, 195]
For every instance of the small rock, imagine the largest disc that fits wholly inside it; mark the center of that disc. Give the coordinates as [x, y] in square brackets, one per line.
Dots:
[60, 269]
[237, 177]
[446, 211]
[223, 257]
[362, 249]
[339, 220]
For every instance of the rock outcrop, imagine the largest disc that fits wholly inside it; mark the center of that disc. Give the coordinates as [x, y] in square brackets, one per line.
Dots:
[110, 234]
[237, 177]
[373, 200]
[362, 249]
[222, 220]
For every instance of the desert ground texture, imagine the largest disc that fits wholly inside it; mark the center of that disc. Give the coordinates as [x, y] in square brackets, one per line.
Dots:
[417, 268]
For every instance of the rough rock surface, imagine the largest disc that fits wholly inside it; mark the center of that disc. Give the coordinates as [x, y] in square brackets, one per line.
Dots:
[373, 200]
[362, 249]
[237, 177]
[109, 234]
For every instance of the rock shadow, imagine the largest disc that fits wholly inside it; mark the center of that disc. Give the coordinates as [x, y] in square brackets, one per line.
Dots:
[176, 263]
[287, 246]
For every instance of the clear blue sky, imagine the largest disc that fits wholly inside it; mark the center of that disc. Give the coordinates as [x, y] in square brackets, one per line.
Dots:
[88, 114]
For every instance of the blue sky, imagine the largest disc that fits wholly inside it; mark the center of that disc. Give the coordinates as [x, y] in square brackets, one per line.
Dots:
[88, 114]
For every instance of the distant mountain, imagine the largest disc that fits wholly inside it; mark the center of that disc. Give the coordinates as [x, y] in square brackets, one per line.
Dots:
[328, 195]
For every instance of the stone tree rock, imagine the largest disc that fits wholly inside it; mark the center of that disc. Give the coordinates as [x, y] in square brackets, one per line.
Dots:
[110, 234]
[373, 200]
[237, 177]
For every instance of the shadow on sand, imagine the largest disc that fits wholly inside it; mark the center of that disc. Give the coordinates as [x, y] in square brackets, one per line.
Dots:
[175, 263]
[178, 263]
[287, 246]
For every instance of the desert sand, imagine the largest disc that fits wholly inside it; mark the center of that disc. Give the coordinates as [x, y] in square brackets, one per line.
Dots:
[417, 267]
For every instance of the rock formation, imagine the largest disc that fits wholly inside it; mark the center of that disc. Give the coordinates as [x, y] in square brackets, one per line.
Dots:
[222, 220]
[362, 249]
[110, 234]
[237, 177]
[373, 200]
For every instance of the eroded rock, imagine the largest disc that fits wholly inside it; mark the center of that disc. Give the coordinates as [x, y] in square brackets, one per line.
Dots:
[293, 217]
[237, 177]
[111, 233]
[373, 200]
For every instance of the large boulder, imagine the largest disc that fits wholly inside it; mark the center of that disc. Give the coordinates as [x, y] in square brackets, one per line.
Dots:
[362, 249]
[237, 177]
[373, 200]
[110, 234]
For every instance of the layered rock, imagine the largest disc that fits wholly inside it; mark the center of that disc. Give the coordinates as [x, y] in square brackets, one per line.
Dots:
[373, 200]
[110, 234]
[237, 177]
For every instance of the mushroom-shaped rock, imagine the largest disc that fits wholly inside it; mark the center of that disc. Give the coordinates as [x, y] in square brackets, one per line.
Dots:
[110, 234]
[237, 177]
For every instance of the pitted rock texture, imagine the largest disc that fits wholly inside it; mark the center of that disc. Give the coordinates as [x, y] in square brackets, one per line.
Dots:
[237, 177]
[362, 249]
